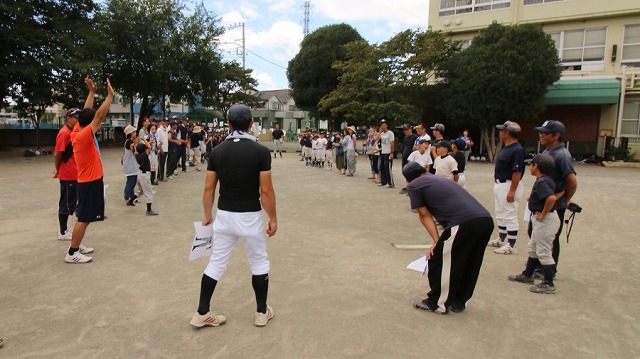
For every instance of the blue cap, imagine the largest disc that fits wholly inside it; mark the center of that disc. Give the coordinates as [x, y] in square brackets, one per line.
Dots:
[551, 126]
[239, 110]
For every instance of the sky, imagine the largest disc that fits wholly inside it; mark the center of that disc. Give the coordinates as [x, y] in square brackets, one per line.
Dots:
[274, 28]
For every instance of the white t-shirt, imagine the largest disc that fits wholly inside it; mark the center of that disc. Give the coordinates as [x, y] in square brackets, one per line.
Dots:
[423, 137]
[423, 159]
[445, 166]
[162, 136]
[321, 143]
[386, 138]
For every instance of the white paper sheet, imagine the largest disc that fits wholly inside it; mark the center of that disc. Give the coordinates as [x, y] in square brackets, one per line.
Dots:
[527, 213]
[420, 265]
[202, 241]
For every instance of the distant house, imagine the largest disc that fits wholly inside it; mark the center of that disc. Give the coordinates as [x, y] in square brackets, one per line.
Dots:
[279, 107]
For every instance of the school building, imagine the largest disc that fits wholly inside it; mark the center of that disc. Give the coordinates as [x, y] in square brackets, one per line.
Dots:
[598, 42]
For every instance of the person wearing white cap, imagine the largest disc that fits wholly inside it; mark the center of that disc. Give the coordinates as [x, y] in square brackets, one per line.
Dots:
[130, 165]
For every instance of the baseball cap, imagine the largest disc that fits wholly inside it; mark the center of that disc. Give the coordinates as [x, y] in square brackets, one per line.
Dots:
[239, 110]
[174, 116]
[412, 170]
[423, 141]
[438, 126]
[460, 144]
[407, 126]
[383, 121]
[173, 122]
[165, 119]
[551, 126]
[509, 126]
[141, 147]
[155, 119]
[444, 144]
[73, 112]
[129, 129]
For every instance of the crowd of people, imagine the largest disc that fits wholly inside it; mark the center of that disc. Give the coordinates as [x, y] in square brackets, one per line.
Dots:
[440, 157]
[432, 166]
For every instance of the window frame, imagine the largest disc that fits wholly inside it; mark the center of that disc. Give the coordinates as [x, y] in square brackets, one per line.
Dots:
[471, 7]
[578, 65]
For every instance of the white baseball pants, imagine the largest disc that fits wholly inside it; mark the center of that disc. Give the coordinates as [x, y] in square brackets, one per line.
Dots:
[507, 212]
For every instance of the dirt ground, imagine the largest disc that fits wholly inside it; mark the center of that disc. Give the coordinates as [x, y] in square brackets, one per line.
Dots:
[338, 287]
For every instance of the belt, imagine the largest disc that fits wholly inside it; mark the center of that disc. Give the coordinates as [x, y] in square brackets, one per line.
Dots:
[143, 171]
[502, 180]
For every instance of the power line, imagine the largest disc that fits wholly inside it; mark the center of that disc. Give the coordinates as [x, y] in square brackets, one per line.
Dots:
[263, 59]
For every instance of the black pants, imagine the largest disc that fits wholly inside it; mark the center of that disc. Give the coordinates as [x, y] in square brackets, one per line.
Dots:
[458, 257]
[172, 163]
[183, 155]
[385, 170]
[162, 160]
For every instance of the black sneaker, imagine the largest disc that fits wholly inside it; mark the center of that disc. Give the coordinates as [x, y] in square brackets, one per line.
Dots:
[457, 307]
[520, 278]
[152, 213]
[403, 191]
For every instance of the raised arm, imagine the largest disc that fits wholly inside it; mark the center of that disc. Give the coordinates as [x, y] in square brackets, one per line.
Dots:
[103, 110]
[92, 92]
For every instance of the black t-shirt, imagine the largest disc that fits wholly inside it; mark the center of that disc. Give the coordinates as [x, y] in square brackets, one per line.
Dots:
[183, 133]
[143, 161]
[195, 138]
[543, 187]
[173, 147]
[508, 161]
[448, 202]
[306, 141]
[408, 145]
[238, 163]
[277, 134]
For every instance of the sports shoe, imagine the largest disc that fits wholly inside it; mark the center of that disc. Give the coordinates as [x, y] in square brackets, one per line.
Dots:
[263, 318]
[495, 243]
[520, 278]
[85, 250]
[427, 305]
[457, 307]
[209, 319]
[543, 288]
[537, 274]
[77, 257]
[152, 213]
[506, 249]
[392, 186]
[403, 191]
[64, 237]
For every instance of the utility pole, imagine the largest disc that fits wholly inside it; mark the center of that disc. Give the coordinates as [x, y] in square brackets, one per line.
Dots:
[235, 26]
[306, 16]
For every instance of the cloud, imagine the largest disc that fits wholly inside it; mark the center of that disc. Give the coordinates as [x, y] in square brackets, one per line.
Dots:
[265, 81]
[410, 13]
[283, 5]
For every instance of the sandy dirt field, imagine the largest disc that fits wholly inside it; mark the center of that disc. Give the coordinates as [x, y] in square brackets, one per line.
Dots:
[338, 287]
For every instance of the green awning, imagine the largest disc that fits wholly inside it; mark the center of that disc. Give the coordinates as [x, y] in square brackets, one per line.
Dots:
[583, 92]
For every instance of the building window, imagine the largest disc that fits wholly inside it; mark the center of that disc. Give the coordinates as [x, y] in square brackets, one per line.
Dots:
[292, 108]
[581, 50]
[533, 2]
[631, 46]
[631, 121]
[453, 7]
[275, 105]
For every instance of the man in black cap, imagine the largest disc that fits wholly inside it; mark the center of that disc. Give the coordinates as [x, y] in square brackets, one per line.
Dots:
[174, 150]
[163, 147]
[183, 135]
[243, 168]
[456, 256]
[551, 135]
[387, 148]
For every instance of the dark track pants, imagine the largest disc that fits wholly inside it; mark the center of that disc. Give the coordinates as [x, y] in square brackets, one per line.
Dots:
[456, 261]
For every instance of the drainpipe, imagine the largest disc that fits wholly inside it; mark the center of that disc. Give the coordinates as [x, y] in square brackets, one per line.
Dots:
[623, 85]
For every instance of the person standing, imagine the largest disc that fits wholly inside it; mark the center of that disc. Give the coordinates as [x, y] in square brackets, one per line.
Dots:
[459, 156]
[174, 150]
[387, 147]
[445, 165]
[508, 189]
[350, 150]
[468, 144]
[243, 168]
[422, 134]
[278, 138]
[163, 148]
[65, 168]
[551, 135]
[195, 138]
[143, 148]
[438, 135]
[183, 135]
[408, 141]
[130, 165]
[90, 173]
[455, 258]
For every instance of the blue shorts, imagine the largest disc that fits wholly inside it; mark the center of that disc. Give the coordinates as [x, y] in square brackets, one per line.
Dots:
[91, 201]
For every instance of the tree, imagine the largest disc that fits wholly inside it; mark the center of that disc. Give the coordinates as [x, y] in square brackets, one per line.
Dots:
[41, 44]
[152, 49]
[390, 80]
[310, 72]
[237, 86]
[503, 75]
